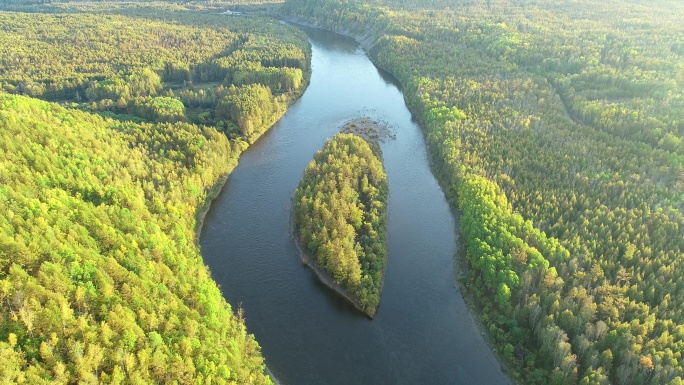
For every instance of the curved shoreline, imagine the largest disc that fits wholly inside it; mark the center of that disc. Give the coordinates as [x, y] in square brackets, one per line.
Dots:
[372, 132]
[323, 276]
[212, 194]
[366, 40]
[215, 190]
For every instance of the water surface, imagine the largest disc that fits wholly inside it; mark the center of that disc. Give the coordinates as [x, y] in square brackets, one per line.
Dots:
[422, 332]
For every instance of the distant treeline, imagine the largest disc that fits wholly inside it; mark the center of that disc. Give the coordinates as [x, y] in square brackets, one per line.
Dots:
[157, 70]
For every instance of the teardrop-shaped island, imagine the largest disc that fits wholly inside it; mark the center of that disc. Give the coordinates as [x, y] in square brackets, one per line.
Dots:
[339, 214]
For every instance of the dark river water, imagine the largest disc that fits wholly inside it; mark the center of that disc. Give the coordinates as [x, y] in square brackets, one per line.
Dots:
[422, 332]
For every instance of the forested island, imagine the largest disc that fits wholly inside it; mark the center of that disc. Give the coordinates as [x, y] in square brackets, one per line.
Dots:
[555, 129]
[340, 213]
[115, 123]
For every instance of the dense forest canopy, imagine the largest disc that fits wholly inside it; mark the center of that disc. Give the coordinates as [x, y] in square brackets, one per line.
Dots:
[137, 63]
[340, 215]
[556, 127]
[100, 276]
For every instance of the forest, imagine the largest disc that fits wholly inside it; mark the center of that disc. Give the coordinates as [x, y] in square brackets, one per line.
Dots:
[114, 126]
[162, 67]
[556, 131]
[340, 214]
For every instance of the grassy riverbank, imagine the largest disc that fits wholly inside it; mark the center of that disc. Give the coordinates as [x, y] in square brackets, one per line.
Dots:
[215, 190]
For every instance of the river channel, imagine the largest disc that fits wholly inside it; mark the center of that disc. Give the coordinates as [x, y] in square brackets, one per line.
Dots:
[423, 332]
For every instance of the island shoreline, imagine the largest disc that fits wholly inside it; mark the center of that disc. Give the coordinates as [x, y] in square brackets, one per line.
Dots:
[366, 41]
[325, 278]
[372, 132]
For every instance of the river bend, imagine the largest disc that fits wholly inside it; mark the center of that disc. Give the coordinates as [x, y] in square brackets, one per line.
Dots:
[422, 332]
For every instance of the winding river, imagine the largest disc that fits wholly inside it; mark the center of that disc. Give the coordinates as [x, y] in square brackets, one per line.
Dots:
[422, 332]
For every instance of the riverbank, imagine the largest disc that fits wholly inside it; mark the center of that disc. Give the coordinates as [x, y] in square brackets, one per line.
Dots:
[462, 275]
[215, 190]
[461, 271]
[366, 40]
[322, 275]
[461, 267]
[372, 132]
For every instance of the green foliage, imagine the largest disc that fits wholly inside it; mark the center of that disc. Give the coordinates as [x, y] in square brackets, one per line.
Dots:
[100, 279]
[159, 109]
[147, 61]
[252, 107]
[144, 83]
[279, 79]
[501, 246]
[340, 210]
[557, 129]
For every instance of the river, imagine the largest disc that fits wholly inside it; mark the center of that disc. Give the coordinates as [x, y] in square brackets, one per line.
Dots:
[423, 332]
